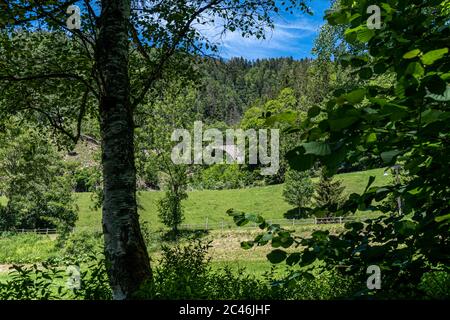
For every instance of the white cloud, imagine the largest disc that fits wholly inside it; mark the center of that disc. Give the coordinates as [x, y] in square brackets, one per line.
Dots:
[288, 38]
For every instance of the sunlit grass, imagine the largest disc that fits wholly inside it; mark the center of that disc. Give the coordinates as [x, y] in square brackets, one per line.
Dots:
[212, 205]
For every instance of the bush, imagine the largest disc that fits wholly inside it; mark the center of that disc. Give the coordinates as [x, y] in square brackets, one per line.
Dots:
[225, 176]
[80, 246]
[436, 285]
[50, 282]
[182, 272]
[185, 272]
[32, 283]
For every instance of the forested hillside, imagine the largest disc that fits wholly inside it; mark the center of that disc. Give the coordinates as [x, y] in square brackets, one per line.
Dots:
[229, 87]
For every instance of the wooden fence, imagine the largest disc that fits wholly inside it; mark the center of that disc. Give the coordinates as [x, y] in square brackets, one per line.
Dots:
[36, 231]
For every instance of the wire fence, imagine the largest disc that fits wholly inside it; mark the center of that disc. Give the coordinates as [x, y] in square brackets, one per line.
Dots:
[222, 225]
[282, 222]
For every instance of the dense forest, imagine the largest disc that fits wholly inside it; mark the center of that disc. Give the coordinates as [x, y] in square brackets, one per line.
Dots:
[230, 87]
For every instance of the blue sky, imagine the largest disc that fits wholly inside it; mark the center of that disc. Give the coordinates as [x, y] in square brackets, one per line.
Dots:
[293, 36]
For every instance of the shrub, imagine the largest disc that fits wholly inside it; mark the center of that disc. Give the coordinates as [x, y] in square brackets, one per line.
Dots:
[50, 282]
[436, 285]
[81, 246]
[32, 283]
[182, 272]
[224, 176]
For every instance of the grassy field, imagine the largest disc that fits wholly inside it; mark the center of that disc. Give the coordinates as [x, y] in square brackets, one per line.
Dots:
[26, 248]
[213, 204]
[225, 250]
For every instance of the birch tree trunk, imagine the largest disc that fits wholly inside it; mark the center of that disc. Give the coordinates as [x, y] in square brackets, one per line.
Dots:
[127, 260]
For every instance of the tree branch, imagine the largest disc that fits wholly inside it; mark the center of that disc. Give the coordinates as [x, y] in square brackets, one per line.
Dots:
[156, 74]
[50, 76]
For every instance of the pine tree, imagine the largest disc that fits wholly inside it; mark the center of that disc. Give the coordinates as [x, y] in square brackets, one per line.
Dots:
[329, 193]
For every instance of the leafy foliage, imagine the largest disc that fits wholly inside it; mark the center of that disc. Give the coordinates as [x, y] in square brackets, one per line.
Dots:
[298, 190]
[39, 192]
[47, 281]
[405, 122]
[170, 207]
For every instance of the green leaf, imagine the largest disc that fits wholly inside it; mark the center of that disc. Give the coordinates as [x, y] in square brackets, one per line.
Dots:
[277, 256]
[256, 218]
[405, 227]
[356, 96]
[395, 111]
[317, 148]
[371, 180]
[342, 123]
[371, 137]
[387, 156]
[365, 34]
[431, 115]
[441, 98]
[365, 73]
[432, 56]
[285, 117]
[294, 258]
[267, 237]
[360, 33]
[375, 252]
[380, 68]
[246, 245]
[442, 218]
[313, 112]
[355, 226]
[415, 69]
[298, 160]
[435, 84]
[308, 257]
[411, 54]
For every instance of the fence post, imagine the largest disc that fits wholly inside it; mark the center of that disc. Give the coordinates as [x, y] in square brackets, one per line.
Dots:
[222, 224]
[293, 222]
[206, 223]
[315, 220]
[340, 220]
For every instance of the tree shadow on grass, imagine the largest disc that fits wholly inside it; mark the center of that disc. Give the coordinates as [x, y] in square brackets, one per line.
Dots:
[185, 234]
[295, 213]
